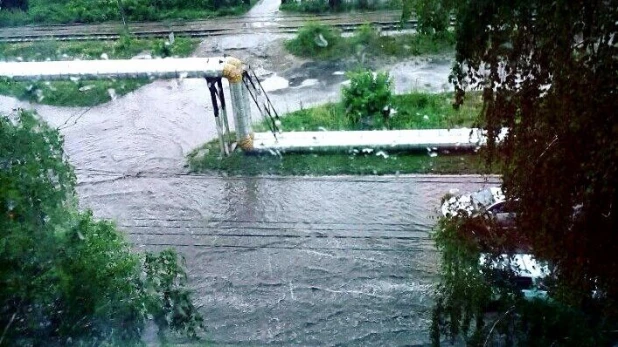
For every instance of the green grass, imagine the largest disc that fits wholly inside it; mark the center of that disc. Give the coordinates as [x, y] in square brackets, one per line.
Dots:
[414, 111]
[96, 11]
[412, 108]
[93, 92]
[125, 47]
[365, 42]
[331, 163]
[68, 93]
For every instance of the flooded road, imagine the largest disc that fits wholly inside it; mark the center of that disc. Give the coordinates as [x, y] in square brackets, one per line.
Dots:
[294, 260]
[272, 260]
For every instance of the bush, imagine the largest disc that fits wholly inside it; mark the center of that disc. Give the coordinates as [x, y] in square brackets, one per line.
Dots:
[85, 11]
[368, 97]
[164, 49]
[14, 4]
[306, 6]
[314, 39]
[366, 35]
[66, 278]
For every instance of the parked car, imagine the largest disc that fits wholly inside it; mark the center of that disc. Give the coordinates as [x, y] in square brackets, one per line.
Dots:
[498, 219]
[473, 203]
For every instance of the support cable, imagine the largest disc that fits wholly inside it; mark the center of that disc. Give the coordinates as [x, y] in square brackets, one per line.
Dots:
[266, 107]
[224, 110]
[212, 87]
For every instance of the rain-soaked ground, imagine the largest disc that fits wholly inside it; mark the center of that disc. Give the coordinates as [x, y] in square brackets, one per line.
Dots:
[272, 260]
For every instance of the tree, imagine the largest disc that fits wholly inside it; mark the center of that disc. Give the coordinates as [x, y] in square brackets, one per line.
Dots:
[14, 4]
[548, 73]
[65, 277]
[433, 16]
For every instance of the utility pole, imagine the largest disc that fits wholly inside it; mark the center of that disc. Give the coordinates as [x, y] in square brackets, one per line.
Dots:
[124, 22]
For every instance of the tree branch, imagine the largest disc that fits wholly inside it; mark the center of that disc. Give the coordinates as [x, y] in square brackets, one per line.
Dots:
[6, 328]
[496, 323]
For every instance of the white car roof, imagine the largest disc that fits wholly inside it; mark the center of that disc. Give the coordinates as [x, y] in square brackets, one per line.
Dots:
[523, 265]
[470, 203]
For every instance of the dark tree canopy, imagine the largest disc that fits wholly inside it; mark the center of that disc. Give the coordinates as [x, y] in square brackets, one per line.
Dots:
[14, 4]
[549, 72]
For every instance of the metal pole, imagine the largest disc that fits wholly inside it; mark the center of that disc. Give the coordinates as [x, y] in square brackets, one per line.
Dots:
[233, 70]
[246, 100]
[244, 137]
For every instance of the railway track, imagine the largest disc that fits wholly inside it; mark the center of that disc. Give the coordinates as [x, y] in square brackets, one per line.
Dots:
[282, 24]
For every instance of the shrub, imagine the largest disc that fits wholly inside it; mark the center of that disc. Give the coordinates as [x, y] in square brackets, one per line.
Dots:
[162, 48]
[314, 39]
[366, 35]
[66, 278]
[368, 97]
[306, 6]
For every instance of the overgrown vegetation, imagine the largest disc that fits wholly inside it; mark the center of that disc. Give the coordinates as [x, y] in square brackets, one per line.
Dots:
[433, 16]
[318, 41]
[416, 111]
[367, 98]
[551, 85]
[89, 11]
[325, 6]
[84, 92]
[65, 277]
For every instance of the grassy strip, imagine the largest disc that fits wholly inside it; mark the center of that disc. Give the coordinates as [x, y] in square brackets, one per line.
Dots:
[79, 92]
[414, 111]
[96, 11]
[317, 41]
[208, 159]
[125, 47]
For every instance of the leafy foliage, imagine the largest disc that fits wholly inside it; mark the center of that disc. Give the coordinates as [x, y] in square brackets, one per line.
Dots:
[415, 110]
[433, 16]
[71, 11]
[14, 4]
[368, 97]
[367, 41]
[482, 305]
[314, 39]
[65, 277]
[323, 6]
[547, 72]
[305, 6]
[549, 82]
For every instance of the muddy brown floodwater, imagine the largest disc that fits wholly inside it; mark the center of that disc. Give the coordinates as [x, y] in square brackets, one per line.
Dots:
[272, 260]
[294, 260]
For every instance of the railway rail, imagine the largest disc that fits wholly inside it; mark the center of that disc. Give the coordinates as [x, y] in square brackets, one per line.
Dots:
[281, 24]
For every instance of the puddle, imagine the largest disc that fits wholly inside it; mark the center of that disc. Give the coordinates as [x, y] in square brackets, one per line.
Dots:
[309, 83]
[274, 83]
